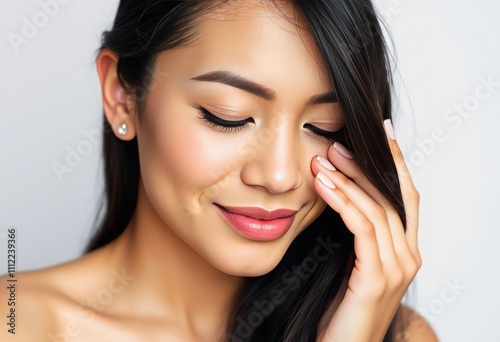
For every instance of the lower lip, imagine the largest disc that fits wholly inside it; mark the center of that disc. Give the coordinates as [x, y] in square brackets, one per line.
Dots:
[254, 229]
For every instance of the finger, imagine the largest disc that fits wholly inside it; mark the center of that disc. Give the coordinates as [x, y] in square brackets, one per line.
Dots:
[397, 260]
[349, 166]
[372, 210]
[337, 154]
[411, 197]
[365, 241]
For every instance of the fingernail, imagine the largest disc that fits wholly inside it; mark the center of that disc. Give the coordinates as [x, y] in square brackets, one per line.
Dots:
[342, 150]
[325, 163]
[389, 129]
[325, 180]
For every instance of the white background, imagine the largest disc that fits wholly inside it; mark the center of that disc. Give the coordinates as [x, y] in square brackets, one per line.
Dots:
[50, 95]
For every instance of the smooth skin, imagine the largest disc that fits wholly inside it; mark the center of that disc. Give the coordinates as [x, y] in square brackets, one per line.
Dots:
[387, 258]
[174, 273]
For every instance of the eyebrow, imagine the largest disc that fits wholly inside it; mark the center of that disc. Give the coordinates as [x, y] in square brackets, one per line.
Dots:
[233, 80]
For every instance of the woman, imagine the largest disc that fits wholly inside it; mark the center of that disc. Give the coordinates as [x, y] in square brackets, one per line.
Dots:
[251, 191]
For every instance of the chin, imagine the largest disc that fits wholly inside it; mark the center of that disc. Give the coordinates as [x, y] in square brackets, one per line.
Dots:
[256, 271]
[250, 262]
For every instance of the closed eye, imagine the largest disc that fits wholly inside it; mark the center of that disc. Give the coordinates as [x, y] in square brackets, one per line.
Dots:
[338, 135]
[222, 125]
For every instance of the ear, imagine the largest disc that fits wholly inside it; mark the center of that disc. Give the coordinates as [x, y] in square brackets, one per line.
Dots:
[118, 104]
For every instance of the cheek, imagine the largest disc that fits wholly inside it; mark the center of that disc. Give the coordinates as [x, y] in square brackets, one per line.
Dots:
[311, 148]
[184, 159]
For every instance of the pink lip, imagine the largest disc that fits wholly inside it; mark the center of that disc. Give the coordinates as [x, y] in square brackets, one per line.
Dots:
[257, 223]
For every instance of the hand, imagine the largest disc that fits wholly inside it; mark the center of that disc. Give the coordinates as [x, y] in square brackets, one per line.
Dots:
[387, 258]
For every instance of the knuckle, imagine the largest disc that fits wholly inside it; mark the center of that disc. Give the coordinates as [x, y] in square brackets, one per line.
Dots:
[413, 267]
[378, 288]
[414, 194]
[397, 278]
[418, 261]
[341, 180]
[344, 201]
[368, 229]
[378, 212]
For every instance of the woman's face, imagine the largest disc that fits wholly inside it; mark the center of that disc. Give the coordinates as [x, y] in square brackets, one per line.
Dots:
[191, 167]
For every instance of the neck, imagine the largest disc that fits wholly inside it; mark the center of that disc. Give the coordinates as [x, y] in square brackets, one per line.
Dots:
[172, 281]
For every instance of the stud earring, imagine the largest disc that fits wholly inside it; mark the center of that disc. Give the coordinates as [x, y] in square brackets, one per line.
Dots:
[122, 130]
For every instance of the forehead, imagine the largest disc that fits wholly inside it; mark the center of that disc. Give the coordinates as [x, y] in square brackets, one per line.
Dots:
[262, 40]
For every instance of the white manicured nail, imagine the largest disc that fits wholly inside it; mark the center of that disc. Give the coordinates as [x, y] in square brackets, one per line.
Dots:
[325, 180]
[389, 129]
[325, 163]
[342, 150]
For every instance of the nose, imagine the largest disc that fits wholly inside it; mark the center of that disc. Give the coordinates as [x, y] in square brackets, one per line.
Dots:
[273, 160]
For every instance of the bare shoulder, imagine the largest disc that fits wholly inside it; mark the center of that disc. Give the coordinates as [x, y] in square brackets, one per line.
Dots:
[39, 303]
[418, 329]
[27, 306]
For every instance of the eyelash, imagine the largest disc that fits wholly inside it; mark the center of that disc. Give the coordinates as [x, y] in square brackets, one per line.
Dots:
[221, 125]
[338, 135]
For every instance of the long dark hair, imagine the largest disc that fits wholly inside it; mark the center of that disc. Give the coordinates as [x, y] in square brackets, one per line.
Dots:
[287, 303]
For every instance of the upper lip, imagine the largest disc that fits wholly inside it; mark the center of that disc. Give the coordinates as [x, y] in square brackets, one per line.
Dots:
[259, 213]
